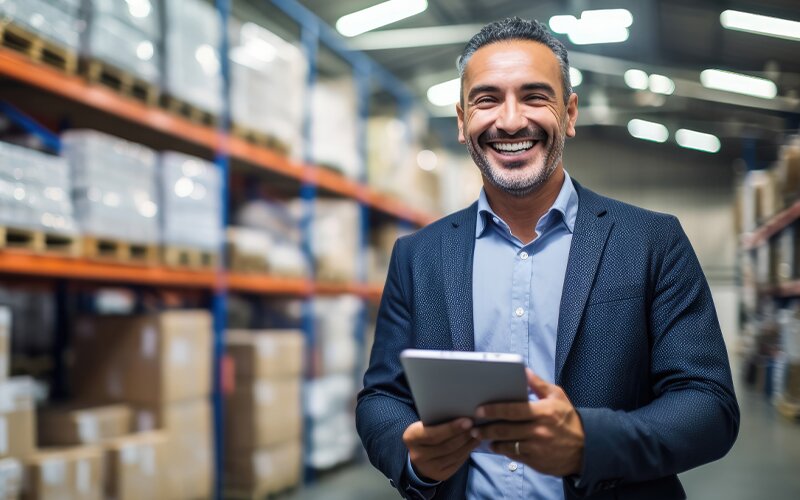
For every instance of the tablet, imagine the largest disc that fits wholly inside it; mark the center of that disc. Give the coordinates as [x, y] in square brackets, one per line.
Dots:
[452, 384]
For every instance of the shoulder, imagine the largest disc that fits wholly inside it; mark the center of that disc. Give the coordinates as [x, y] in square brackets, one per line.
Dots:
[435, 230]
[625, 215]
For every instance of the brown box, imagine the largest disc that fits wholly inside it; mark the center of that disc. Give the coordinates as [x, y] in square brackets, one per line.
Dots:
[189, 448]
[259, 354]
[17, 418]
[76, 425]
[150, 359]
[5, 342]
[791, 389]
[65, 473]
[136, 466]
[265, 471]
[263, 414]
[10, 479]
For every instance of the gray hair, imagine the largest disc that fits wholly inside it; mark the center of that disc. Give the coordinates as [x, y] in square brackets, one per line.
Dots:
[514, 28]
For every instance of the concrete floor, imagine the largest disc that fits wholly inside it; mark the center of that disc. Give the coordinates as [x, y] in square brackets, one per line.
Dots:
[764, 464]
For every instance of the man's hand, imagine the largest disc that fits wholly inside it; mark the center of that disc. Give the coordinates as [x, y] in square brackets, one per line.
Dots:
[548, 433]
[437, 451]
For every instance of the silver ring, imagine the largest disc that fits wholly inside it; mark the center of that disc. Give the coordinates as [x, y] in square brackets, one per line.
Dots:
[516, 447]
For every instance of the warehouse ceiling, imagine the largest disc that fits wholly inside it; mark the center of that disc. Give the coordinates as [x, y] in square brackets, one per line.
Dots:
[675, 38]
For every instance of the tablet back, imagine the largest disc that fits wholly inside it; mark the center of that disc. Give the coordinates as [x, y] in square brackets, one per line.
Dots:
[451, 384]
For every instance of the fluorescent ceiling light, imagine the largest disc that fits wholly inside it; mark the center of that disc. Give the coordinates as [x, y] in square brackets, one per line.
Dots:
[415, 37]
[636, 79]
[575, 77]
[735, 82]
[649, 131]
[660, 84]
[379, 15]
[445, 93]
[760, 25]
[594, 26]
[697, 140]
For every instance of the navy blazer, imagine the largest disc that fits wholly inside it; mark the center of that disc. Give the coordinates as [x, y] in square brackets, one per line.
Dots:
[639, 350]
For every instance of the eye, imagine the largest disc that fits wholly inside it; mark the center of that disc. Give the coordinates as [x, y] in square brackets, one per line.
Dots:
[484, 100]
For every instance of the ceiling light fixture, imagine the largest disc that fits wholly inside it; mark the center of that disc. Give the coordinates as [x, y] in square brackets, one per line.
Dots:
[700, 141]
[594, 26]
[445, 93]
[760, 25]
[575, 77]
[742, 84]
[661, 84]
[636, 79]
[649, 131]
[379, 15]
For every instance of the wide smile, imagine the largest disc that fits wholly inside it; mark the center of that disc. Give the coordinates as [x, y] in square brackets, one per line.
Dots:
[512, 149]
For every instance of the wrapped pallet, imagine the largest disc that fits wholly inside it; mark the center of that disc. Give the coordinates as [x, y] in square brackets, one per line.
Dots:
[118, 203]
[334, 124]
[125, 35]
[58, 21]
[268, 82]
[191, 63]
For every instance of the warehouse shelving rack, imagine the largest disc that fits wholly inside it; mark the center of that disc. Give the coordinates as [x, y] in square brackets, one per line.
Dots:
[76, 91]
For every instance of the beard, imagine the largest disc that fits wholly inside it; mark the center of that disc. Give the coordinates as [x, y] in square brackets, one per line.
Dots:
[518, 185]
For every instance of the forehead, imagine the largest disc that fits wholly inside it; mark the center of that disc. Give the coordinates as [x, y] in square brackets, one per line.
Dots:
[507, 61]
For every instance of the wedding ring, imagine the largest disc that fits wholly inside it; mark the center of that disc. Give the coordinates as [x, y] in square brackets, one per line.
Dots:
[516, 447]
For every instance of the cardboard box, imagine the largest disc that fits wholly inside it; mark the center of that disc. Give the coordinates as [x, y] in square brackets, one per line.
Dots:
[148, 359]
[189, 454]
[136, 466]
[17, 418]
[263, 414]
[265, 471]
[5, 342]
[10, 479]
[65, 473]
[70, 425]
[262, 354]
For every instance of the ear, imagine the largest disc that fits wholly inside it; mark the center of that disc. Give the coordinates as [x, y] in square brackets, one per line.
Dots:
[460, 117]
[572, 114]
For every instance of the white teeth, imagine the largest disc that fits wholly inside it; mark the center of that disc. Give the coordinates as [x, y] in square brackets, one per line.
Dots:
[512, 147]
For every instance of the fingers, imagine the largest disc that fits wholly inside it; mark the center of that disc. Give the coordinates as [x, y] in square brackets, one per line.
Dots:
[506, 411]
[510, 431]
[432, 435]
[540, 387]
[449, 447]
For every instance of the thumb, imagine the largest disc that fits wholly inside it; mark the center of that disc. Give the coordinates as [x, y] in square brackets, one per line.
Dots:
[539, 386]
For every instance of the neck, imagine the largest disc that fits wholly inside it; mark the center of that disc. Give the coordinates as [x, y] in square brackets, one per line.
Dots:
[522, 213]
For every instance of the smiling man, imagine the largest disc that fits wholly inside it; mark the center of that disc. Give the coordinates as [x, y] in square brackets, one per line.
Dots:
[629, 377]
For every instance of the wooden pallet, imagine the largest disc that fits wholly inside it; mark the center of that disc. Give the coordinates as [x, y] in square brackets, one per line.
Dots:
[196, 258]
[38, 241]
[37, 48]
[790, 410]
[188, 111]
[121, 81]
[120, 251]
[260, 138]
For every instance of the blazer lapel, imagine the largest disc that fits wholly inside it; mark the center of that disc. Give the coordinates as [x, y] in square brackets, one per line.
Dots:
[458, 244]
[592, 228]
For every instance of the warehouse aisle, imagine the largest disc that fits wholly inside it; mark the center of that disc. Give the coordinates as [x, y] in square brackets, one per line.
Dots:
[762, 464]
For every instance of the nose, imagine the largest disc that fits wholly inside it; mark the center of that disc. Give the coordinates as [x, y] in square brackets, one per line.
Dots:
[511, 119]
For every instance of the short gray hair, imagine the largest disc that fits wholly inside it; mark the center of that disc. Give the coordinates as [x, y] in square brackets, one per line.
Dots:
[514, 28]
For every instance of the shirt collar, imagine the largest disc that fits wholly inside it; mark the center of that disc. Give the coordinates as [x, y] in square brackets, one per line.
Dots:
[566, 204]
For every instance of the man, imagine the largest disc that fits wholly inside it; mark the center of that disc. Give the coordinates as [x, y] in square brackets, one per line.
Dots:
[606, 302]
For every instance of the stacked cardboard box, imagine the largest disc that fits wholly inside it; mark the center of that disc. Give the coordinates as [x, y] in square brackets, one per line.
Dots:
[17, 418]
[135, 466]
[66, 473]
[263, 431]
[335, 239]
[159, 364]
[79, 425]
[5, 342]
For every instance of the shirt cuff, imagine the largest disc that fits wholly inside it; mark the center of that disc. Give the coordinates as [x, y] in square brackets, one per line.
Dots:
[414, 479]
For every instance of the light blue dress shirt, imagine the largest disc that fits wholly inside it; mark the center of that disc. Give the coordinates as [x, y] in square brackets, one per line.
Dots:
[516, 296]
[516, 293]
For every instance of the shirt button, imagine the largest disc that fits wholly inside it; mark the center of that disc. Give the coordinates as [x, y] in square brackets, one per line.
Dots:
[520, 311]
[513, 466]
[523, 255]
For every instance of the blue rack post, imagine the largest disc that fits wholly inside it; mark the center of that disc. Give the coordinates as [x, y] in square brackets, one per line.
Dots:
[219, 300]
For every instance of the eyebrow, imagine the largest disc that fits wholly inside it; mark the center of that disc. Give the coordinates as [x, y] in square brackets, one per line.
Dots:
[491, 89]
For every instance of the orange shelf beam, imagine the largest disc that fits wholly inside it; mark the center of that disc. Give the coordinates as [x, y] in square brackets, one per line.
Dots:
[265, 284]
[773, 226]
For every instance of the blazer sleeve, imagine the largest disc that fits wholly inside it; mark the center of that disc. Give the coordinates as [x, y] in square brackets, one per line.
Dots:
[693, 417]
[385, 407]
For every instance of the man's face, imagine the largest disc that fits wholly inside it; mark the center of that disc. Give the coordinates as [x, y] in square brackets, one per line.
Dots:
[514, 121]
